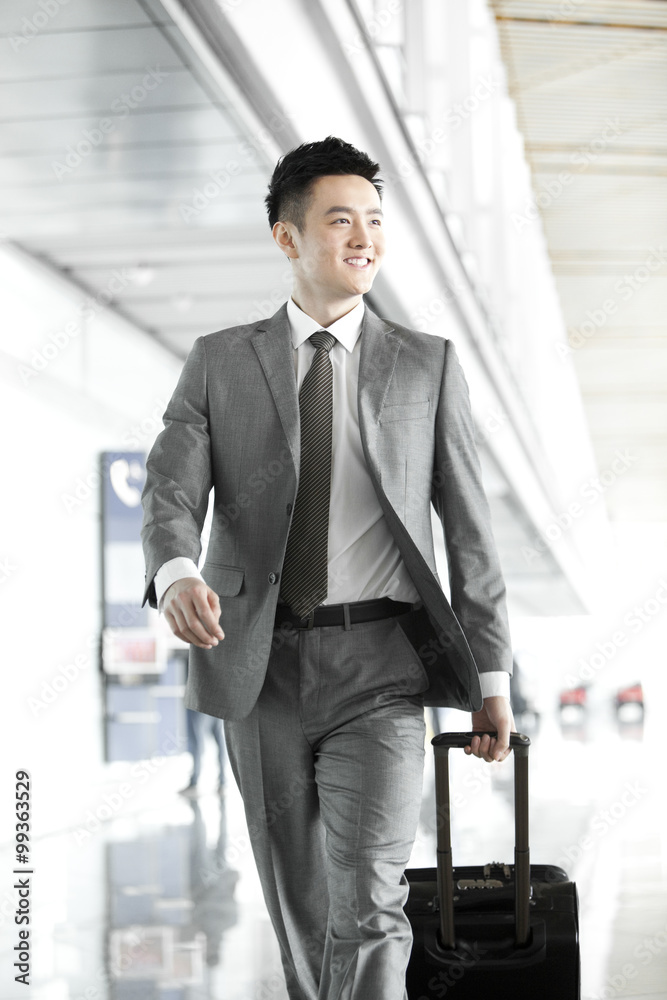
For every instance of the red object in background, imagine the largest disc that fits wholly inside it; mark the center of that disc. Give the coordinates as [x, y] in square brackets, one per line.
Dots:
[575, 696]
[633, 694]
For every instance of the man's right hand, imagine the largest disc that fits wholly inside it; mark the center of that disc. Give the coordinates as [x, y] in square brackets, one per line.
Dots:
[193, 612]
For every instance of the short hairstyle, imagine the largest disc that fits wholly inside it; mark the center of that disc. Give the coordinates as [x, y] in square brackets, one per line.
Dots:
[296, 171]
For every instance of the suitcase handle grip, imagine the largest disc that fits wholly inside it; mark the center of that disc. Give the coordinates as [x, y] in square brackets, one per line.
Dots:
[457, 741]
[441, 747]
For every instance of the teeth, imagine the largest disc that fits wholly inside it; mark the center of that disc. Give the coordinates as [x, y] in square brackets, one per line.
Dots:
[357, 261]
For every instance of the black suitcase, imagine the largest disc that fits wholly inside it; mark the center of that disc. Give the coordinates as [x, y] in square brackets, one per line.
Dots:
[499, 930]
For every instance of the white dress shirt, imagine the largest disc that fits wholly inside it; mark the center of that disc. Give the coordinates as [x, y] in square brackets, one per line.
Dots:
[364, 560]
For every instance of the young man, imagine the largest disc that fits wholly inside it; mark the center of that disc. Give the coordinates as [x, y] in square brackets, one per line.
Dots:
[325, 456]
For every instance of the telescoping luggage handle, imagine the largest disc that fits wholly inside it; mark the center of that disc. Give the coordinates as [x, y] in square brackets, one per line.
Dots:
[441, 746]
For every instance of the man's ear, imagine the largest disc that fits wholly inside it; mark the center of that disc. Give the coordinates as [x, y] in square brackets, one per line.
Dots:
[282, 233]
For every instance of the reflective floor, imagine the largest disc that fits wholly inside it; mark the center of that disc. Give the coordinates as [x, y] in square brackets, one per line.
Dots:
[159, 899]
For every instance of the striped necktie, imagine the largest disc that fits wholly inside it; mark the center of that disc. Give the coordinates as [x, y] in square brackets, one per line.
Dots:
[304, 573]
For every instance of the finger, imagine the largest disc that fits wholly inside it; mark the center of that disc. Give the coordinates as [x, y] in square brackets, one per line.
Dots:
[214, 601]
[175, 628]
[177, 632]
[189, 626]
[486, 745]
[502, 747]
[196, 610]
[480, 747]
[197, 604]
[201, 603]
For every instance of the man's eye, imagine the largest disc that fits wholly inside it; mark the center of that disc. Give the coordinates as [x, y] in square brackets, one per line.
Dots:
[340, 220]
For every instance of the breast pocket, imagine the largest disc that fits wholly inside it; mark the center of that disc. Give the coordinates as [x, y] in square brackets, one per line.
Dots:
[224, 580]
[405, 411]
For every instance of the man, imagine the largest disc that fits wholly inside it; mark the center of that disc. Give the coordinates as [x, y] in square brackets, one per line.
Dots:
[325, 457]
[198, 726]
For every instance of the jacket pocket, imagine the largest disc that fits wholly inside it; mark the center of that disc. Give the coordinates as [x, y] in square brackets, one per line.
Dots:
[405, 411]
[224, 580]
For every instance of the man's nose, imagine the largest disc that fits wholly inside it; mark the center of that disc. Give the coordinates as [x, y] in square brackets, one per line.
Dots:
[360, 236]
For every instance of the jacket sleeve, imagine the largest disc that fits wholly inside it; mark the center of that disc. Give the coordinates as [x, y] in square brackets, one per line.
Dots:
[179, 476]
[476, 582]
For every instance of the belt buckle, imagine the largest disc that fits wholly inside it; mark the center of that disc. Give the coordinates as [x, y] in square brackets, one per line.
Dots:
[310, 622]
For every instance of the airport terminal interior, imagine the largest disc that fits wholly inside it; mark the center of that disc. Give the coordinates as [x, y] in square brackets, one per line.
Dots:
[523, 147]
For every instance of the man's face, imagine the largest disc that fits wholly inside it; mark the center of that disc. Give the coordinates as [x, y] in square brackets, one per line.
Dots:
[341, 244]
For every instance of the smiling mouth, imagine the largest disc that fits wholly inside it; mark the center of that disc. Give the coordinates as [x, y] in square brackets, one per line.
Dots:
[359, 262]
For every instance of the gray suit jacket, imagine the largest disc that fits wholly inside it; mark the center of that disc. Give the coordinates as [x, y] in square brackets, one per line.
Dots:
[233, 424]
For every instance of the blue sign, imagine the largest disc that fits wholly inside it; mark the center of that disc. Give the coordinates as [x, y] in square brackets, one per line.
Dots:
[123, 477]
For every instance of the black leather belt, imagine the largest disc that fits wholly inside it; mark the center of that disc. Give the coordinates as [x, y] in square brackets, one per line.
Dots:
[344, 614]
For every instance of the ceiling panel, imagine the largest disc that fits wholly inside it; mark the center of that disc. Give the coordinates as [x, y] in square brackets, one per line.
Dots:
[201, 279]
[182, 125]
[30, 170]
[148, 88]
[65, 54]
[70, 17]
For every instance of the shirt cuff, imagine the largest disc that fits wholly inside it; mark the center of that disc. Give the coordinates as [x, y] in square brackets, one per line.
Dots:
[495, 683]
[170, 572]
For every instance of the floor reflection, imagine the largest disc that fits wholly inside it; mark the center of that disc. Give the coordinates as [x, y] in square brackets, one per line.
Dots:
[164, 903]
[171, 899]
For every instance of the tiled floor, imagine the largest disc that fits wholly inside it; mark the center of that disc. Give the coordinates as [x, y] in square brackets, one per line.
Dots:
[162, 901]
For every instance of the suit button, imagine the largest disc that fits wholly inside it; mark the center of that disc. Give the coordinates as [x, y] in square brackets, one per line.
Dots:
[273, 577]
[289, 509]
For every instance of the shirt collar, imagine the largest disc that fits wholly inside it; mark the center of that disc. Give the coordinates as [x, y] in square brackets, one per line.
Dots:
[346, 330]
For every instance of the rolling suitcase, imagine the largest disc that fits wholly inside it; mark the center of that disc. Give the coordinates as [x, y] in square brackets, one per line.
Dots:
[498, 930]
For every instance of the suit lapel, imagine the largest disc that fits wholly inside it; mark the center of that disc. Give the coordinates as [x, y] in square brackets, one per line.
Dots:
[379, 351]
[273, 344]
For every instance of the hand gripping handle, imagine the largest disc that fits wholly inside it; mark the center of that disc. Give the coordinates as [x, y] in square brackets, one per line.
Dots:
[441, 747]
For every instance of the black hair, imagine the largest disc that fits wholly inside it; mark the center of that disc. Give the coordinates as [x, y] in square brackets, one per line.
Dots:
[296, 171]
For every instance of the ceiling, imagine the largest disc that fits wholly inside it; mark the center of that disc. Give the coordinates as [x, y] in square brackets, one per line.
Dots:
[158, 205]
[160, 200]
[589, 80]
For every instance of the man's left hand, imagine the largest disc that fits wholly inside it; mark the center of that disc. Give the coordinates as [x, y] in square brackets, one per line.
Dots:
[495, 716]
